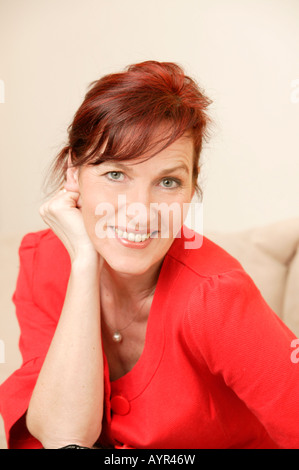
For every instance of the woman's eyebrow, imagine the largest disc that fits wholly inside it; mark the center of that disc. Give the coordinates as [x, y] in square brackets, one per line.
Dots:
[182, 166]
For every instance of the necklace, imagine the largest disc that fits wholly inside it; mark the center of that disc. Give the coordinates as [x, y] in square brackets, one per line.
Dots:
[117, 337]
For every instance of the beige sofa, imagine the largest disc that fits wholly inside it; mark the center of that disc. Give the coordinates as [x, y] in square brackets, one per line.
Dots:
[270, 254]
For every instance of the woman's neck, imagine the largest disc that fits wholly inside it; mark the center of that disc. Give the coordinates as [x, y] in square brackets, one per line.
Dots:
[123, 289]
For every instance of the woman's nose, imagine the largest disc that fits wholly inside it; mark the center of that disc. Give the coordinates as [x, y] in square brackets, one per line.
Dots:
[140, 194]
[138, 206]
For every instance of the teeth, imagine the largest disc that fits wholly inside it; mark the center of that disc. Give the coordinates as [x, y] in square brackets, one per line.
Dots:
[132, 237]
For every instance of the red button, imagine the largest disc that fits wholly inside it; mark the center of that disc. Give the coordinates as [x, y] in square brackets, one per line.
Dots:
[120, 405]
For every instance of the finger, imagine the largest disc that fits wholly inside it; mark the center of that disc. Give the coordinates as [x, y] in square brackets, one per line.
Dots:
[71, 196]
[64, 191]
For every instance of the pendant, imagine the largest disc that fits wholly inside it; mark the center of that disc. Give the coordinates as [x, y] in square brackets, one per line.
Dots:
[117, 337]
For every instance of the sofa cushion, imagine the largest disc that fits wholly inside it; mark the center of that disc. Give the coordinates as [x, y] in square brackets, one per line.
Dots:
[270, 255]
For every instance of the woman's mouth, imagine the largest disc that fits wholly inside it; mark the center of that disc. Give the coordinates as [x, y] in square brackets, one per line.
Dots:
[133, 239]
[131, 236]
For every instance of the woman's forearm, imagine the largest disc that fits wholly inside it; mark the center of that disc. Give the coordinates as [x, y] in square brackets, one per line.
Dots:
[67, 403]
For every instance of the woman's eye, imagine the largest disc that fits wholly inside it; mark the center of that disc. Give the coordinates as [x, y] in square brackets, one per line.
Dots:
[115, 175]
[170, 183]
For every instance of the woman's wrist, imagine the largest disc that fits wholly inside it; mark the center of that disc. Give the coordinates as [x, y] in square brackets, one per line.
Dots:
[85, 259]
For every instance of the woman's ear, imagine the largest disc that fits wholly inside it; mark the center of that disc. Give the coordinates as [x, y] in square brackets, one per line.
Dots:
[72, 176]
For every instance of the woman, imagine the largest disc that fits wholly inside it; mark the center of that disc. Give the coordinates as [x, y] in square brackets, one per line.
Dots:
[130, 337]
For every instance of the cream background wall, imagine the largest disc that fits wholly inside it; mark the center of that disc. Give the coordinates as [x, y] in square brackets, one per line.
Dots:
[244, 53]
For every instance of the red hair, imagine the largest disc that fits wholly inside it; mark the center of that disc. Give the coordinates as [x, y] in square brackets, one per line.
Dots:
[137, 112]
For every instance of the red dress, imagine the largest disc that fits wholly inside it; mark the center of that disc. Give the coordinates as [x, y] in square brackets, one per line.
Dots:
[215, 372]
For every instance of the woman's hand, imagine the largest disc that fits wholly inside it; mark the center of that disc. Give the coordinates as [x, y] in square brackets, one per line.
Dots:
[62, 214]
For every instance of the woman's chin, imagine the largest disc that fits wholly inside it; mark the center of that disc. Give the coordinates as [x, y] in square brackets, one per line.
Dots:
[127, 266]
[132, 257]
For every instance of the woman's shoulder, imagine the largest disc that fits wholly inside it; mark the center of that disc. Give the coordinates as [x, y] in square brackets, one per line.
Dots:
[44, 270]
[45, 244]
[202, 256]
[43, 254]
[39, 238]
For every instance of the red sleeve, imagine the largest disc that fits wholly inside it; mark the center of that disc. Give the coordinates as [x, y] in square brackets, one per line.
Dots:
[244, 341]
[37, 326]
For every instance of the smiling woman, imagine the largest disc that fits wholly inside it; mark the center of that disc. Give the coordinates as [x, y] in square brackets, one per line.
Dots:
[142, 188]
[132, 338]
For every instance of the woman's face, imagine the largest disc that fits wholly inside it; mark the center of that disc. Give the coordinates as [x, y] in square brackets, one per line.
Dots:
[132, 212]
